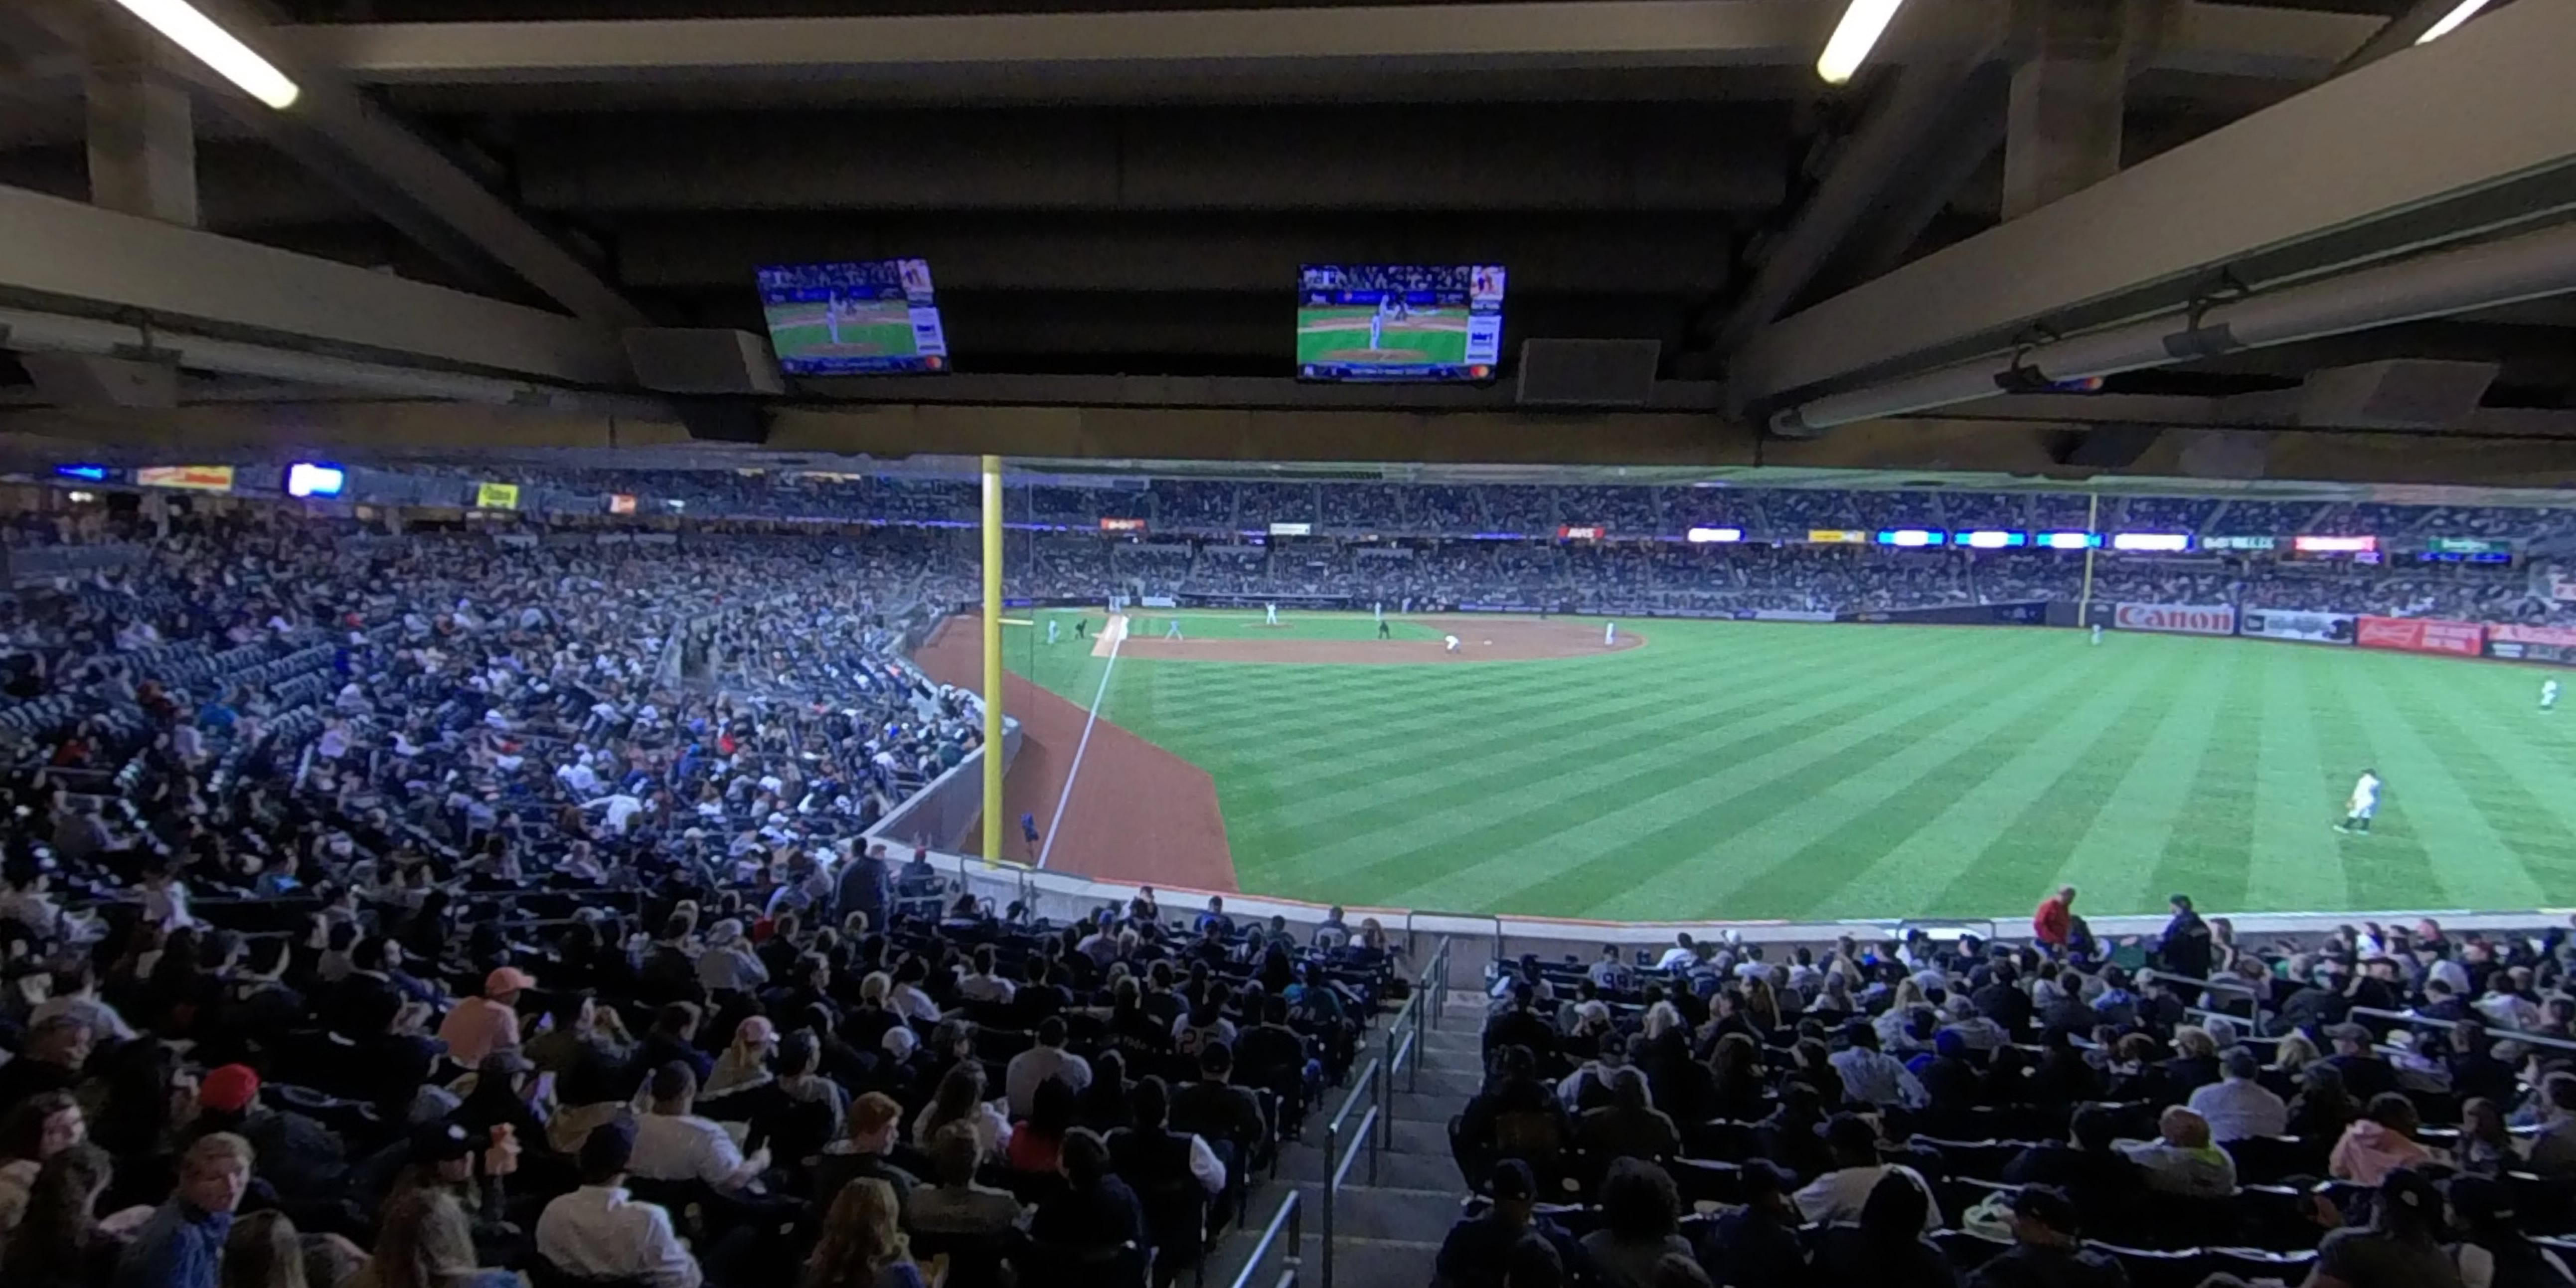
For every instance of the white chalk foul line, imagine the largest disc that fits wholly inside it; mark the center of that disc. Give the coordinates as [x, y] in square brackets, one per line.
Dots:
[1074, 770]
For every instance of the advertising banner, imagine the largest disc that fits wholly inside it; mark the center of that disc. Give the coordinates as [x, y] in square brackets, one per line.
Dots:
[1122, 525]
[2034, 613]
[2179, 619]
[1581, 532]
[1836, 537]
[1784, 615]
[2424, 635]
[2315, 628]
[621, 503]
[2561, 636]
[194, 478]
[1292, 529]
[496, 496]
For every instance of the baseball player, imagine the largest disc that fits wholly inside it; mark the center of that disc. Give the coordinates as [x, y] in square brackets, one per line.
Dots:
[1080, 625]
[1270, 614]
[1378, 610]
[1173, 631]
[1051, 624]
[1386, 307]
[1449, 642]
[2097, 634]
[832, 317]
[2364, 804]
[1609, 634]
[2549, 695]
[1382, 631]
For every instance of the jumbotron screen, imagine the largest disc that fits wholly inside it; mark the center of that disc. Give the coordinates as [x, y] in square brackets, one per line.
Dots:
[853, 319]
[1399, 322]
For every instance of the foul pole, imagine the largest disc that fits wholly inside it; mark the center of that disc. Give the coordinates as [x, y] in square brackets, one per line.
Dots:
[2093, 525]
[996, 821]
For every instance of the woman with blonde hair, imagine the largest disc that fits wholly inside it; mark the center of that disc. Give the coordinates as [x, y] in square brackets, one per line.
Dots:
[860, 1246]
[1661, 1018]
[58, 1244]
[1761, 1005]
[426, 1242]
[263, 1251]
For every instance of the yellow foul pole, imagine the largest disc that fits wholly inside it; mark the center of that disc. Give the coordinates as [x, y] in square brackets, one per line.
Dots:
[2092, 524]
[995, 821]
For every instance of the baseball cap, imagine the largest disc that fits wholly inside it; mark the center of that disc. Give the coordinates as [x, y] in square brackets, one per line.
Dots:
[755, 1030]
[228, 1088]
[2347, 1032]
[440, 1142]
[2047, 1205]
[1511, 1181]
[507, 979]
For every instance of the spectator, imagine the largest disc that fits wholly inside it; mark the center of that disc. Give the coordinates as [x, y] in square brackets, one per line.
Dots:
[49, 1059]
[960, 1099]
[875, 1119]
[672, 1143]
[2365, 1075]
[2400, 1248]
[61, 1243]
[479, 1026]
[1872, 1078]
[1037, 1142]
[42, 1126]
[2046, 1251]
[1095, 1208]
[955, 1203]
[2053, 924]
[1757, 1245]
[1887, 1248]
[1839, 1196]
[2323, 1108]
[182, 1245]
[2487, 1146]
[2493, 1252]
[2238, 1106]
[2553, 1150]
[2379, 1142]
[427, 1243]
[1639, 1225]
[1045, 1060]
[2182, 1160]
[1149, 1154]
[1629, 1126]
[599, 1231]
[860, 1247]
[264, 1251]
[1215, 1108]
[1479, 1250]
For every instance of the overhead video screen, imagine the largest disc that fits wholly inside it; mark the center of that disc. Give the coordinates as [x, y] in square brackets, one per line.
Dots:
[1399, 322]
[853, 319]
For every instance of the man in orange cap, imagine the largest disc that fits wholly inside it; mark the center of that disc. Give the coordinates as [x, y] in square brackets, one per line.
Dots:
[482, 1025]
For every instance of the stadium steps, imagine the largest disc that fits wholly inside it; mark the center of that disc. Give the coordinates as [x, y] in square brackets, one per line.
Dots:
[1387, 1235]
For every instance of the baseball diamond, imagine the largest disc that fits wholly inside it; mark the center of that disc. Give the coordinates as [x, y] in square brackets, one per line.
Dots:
[1819, 771]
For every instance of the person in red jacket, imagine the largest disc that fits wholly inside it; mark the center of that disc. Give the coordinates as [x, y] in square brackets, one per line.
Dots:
[2054, 923]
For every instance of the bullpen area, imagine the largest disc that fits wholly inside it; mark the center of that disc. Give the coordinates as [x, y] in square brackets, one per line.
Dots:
[1750, 770]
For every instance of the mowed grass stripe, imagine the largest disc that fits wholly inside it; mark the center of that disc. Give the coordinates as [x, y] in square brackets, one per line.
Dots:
[1925, 862]
[1839, 830]
[1695, 820]
[1350, 786]
[2534, 812]
[2030, 850]
[2294, 862]
[1432, 823]
[2112, 865]
[2207, 854]
[2390, 859]
[2477, 867]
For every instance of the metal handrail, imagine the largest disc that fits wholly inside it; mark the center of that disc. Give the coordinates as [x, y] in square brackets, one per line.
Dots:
[2501, 1035]
[1337, 1162]
[1293, 1215]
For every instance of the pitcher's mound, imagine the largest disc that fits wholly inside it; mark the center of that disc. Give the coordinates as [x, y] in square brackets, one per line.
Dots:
[1480, 639]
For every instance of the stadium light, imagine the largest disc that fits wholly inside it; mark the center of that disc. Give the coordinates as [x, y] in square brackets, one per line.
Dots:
[311, 478]
[1703, 536]
[1864, 21]
[1910, 538]
[2069, 540]
[193, 31]
[2450, 21]
[1988, 539]
[2160, 541]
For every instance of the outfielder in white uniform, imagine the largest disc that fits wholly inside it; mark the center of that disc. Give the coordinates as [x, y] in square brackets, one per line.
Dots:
[2097, 632]
[1609, 634]
[1449, 642]
[2364, 804]
[2549, 695]
[1270, 614]
[1173, 631]
[1051, 625]
[832, 317]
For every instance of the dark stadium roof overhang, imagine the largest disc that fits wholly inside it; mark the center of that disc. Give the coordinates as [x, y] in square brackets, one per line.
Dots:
[436, 249]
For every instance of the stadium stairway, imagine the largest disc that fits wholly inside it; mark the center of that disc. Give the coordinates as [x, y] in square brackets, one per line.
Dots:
[1387, 1234]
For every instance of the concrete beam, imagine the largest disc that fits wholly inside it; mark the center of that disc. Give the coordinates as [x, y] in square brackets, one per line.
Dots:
[64, 256]
[969, 51]
[2068, 108]
[142, 132]
[2352, 169]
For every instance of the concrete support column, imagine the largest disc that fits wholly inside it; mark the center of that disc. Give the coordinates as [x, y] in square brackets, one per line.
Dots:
[142, 133]
[2070, 94]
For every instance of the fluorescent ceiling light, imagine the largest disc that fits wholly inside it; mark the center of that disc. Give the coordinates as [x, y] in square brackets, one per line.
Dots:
[1863, 23]
[217, 48]
[2468, 9]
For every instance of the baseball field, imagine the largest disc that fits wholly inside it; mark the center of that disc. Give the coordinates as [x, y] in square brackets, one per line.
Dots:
[1342, 335]
[1781, 770]
[869, 329]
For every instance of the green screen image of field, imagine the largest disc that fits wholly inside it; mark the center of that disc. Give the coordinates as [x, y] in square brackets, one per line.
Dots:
[1776, 770]
[1341, 334]
[869, 329]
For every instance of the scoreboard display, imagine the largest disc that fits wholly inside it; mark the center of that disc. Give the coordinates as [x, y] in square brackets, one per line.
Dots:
[1399, 322]
[864, 318]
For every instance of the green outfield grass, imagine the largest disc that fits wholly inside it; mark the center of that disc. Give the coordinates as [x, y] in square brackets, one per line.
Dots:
[876, 328]
[1341, 334]
[1293, 625]
[1760, 770]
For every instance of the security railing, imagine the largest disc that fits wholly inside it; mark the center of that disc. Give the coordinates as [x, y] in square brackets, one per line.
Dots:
[1291, 1221]
[1363, 1135]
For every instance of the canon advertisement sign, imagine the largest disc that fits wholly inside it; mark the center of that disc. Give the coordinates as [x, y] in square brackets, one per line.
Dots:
[2179, 619]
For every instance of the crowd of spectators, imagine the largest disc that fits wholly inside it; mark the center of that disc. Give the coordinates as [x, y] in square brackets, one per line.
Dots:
[463, 909]
[2393, 1108]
